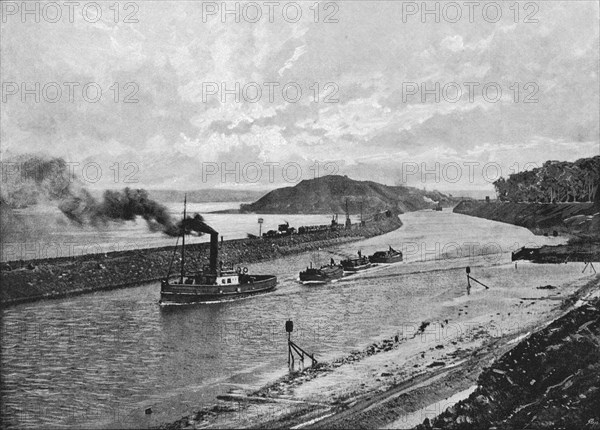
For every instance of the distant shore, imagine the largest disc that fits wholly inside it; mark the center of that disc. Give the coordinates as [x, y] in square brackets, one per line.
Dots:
[549, 220]
[31, 280]
[227, 211]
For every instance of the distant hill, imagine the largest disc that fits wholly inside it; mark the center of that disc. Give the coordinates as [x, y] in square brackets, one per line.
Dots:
[328, 195]
[206, 195]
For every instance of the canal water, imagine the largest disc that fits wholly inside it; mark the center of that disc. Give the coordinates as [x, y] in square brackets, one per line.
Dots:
[101, 359]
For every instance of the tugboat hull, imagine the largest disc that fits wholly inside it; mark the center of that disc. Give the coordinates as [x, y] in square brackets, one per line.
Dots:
[174, 293]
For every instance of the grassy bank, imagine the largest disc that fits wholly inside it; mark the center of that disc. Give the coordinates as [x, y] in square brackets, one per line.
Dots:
[59, 277]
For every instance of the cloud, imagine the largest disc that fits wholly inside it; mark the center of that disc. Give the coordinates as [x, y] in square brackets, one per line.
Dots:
[298, 52]
[171, 54]
[453, 43]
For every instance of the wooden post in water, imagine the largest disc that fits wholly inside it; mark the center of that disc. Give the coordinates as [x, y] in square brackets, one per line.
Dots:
[289, 327]
[589, 263]
[468, 281]
[470, 278]
[292, 347]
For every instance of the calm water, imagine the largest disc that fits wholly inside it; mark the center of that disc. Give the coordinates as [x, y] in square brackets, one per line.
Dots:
[99, 360]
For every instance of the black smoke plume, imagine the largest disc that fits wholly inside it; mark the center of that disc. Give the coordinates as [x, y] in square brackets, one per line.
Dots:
[31, 179]
[28, 180]
[196, 225]
[118, 206]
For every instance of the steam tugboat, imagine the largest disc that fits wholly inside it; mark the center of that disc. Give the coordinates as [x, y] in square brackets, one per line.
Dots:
[356, 264]
[214, 282]
[389, 256]
[326, 273]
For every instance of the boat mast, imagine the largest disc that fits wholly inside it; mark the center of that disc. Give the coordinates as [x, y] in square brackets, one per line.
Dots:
[183, 238]
[348, 222]
[361, 212]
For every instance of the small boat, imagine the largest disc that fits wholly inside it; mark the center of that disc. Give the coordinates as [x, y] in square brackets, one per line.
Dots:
[313, 275]
[214, 282]
[389, 256]
[439, 208]
[356, 264]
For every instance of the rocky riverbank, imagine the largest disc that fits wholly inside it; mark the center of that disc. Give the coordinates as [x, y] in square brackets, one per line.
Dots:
[579, 221]
[549, 380]
[588, 251]
[60, 277]
[537, 217]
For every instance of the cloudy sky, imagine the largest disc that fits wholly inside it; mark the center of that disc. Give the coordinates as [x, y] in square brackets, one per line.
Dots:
[368, 67]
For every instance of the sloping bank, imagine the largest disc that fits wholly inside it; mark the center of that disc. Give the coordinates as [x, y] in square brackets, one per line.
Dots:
[549, 380]
[537, 217]
[582, 219]
[60, 277]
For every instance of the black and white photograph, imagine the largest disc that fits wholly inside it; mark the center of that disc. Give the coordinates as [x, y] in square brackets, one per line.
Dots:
[374, 214]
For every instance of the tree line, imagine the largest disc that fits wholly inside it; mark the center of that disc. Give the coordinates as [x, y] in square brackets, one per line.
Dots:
[553, 182]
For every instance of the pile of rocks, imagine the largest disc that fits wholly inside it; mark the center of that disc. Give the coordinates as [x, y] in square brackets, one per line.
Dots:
[550, 380]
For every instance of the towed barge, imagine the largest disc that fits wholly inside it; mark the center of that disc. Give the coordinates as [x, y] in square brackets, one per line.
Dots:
[322, 275]
[356, 264]
[386, 257]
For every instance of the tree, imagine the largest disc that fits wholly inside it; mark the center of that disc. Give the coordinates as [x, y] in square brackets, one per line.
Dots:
[560, 181]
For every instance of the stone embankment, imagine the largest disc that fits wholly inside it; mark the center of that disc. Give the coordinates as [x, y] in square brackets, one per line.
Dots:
[59, 277]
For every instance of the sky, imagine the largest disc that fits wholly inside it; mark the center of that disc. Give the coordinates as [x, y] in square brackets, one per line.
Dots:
[518, 85]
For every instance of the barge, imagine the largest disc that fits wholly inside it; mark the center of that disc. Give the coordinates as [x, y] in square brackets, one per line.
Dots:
[388, 257]
[322, 275]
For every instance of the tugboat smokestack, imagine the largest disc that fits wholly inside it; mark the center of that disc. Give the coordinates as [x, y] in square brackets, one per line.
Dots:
[213, 282]
[197, 224]
[214, 251]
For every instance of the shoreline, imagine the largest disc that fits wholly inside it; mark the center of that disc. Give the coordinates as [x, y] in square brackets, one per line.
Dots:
[391, 381]
[544, 220]
[62, 277]
[539, 218]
